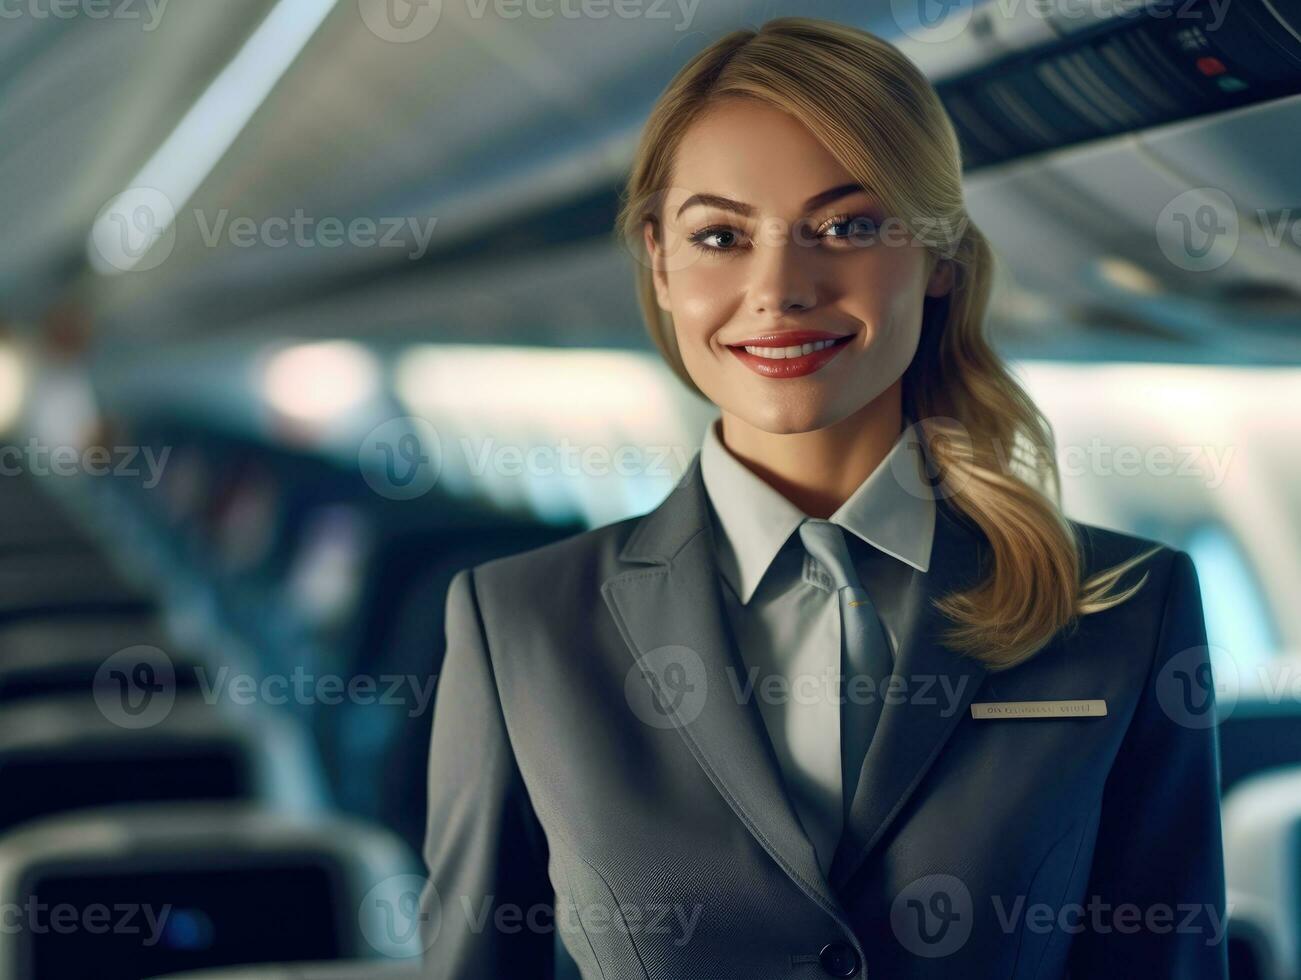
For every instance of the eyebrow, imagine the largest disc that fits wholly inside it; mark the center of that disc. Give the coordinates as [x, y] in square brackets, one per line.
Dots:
[746, 210]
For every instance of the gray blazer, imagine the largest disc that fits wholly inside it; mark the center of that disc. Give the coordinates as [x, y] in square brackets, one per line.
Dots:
[598, 769]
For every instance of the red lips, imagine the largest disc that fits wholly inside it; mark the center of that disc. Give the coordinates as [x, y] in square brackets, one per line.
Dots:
[790, 367]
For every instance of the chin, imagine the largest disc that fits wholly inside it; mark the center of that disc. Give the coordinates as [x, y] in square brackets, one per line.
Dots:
[782, 420]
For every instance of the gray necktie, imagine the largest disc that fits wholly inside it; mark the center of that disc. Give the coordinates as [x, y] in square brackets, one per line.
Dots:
[864, 649]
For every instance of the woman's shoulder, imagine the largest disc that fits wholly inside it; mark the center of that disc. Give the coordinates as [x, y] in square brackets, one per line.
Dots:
[1166, 602]
[1102, 548]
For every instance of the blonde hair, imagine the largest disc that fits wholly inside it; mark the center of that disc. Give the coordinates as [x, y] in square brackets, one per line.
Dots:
[880, 117]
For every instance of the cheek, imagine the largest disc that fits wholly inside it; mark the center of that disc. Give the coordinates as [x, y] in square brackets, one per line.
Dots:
[885, 291]
[703, 299]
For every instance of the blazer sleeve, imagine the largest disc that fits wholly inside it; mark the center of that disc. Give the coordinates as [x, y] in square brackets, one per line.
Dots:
[487, 908]
[1158, 869]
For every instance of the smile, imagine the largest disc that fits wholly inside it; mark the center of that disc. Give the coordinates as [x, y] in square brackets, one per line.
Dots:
[790, 361]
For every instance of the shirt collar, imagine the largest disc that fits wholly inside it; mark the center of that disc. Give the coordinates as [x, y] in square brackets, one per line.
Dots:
[893, 510]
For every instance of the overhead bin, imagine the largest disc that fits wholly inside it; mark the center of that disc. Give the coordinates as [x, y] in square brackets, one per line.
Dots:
[1027, 78]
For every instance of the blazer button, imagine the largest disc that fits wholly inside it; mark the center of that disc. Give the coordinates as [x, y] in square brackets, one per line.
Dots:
[838, 959]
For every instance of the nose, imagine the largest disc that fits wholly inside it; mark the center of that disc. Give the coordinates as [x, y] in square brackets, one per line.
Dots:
[780, 284]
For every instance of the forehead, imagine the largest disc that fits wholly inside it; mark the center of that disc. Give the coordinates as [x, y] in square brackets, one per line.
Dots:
[756, 154]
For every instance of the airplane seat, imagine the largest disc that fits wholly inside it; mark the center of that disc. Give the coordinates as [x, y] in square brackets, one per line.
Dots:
[349, 970]
[1249, 951]
[58, 655]
[1254, 742]
[31, 520]
[66, 753]
[1261, 819]
[43, 538]
[565, 969]
[100, 633]
[38, 584]
[132, 892]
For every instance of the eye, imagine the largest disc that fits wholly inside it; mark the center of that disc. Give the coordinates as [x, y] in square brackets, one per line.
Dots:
[855, 230]
[716, 239]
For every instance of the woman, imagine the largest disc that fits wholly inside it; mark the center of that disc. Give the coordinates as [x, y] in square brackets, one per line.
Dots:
[634, 742]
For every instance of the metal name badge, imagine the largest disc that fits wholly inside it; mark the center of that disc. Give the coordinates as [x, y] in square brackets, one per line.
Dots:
[1039, 709]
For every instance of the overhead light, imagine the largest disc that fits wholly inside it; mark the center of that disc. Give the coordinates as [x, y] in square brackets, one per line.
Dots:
[586, 392]
[318, 384]
[207, 131]
[13, 386]
[1124, 275]
[567, 433]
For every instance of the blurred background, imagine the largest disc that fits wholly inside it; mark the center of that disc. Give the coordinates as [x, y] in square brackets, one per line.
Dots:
[306, 305]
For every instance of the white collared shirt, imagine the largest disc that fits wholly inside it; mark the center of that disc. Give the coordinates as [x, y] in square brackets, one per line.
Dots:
[787, 628]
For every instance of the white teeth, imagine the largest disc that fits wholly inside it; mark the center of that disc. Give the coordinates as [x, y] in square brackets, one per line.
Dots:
[780, 353]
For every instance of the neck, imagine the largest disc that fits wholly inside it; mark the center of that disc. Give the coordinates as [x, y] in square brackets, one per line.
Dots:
[817, 471]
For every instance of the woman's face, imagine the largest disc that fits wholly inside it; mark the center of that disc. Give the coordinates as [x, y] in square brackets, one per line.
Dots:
[768, 242]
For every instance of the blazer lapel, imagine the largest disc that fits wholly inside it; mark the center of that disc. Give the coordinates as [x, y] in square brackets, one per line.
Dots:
[678, 603]
[939, 684]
